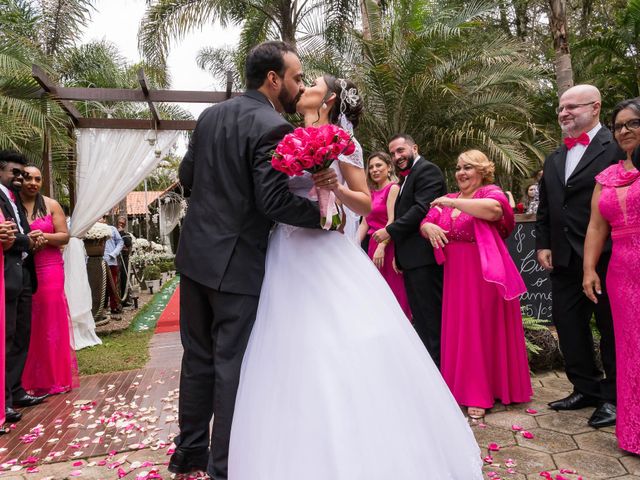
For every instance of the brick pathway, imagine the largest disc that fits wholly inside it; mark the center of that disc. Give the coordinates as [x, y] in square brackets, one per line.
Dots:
[138, 409]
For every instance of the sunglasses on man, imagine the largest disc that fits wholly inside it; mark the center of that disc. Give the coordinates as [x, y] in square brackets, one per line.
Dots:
[17, 172]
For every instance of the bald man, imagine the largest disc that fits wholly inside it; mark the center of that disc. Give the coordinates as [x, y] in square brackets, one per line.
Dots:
[563, 216]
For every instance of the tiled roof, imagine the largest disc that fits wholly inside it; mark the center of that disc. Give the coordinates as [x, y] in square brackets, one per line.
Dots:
[136, 204]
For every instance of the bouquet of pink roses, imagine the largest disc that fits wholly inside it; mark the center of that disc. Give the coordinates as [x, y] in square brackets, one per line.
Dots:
[314, 149]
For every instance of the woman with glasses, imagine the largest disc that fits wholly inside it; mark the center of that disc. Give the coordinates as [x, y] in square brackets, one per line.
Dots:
[615, 210]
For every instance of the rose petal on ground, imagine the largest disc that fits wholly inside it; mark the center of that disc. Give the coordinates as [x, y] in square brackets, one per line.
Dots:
[493, 447]
[527, 434]
[516, 428]
[531, 411]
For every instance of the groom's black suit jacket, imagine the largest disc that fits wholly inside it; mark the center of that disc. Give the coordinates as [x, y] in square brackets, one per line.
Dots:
[13, 262]
[424, 184]
[236, 195]
[565, 207]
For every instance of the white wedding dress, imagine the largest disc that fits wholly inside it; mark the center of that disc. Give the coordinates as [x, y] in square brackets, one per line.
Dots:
[335, 383]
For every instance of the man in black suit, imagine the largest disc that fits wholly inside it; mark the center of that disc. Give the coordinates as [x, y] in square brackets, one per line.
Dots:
[422, 183]
[563, 216]
[235, 197]
[20, 283]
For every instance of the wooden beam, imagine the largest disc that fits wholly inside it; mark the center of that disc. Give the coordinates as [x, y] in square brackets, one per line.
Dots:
[142, 79]
[135, 124]
[48, 86]
[129, 95]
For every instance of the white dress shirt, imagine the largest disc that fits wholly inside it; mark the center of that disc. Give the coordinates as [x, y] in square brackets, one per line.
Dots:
[7, 193]
[575, 154]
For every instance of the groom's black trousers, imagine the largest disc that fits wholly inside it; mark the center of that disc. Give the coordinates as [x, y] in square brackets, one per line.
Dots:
[214, 329]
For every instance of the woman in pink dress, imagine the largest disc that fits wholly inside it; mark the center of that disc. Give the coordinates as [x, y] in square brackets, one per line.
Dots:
[615, 210]
[484, 356]
[384, 193]
[51, 362]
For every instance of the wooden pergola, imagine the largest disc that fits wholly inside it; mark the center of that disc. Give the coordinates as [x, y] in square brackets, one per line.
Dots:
[65, 96]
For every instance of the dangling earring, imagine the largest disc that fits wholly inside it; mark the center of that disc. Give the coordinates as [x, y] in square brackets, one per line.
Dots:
[324, 106]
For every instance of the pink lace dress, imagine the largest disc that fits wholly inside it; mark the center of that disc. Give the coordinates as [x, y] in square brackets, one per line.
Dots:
[620, 206]
[51, 362]
[376, 220]
[483, 352]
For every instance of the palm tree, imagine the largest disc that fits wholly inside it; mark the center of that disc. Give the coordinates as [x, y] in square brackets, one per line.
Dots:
[25, 120]
[560, 34]
[309, 24]
[429, 70]
[611, 60]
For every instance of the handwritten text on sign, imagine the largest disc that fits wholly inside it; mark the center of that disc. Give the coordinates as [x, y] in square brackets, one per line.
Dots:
[536, 302]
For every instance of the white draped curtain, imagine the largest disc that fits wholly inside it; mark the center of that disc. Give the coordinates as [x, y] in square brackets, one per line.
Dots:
[170, 215]
[110, 164]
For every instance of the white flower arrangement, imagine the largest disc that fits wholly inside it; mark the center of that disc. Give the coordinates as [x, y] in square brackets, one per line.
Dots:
[156, 247]
[99, 231]
[140, 244]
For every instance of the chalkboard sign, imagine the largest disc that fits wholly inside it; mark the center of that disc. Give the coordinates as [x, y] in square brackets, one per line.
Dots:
[536, 302]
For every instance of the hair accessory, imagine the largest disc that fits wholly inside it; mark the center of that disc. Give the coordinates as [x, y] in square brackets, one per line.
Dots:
[347, 96]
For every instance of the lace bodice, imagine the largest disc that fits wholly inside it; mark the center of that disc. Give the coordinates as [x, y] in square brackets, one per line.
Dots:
[303, 187]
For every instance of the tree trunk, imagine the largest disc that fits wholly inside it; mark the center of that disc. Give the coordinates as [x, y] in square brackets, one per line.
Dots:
[366, 27]
[47, 167]
[558, 26]
[287, 28]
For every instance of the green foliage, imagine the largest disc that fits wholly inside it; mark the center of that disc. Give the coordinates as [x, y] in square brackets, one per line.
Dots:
[431, 72]
[312, 25]
[611, 60]
[151, 272]
[533, 324]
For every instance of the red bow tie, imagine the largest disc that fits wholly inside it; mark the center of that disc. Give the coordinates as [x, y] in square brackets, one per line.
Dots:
[571, 142]
[404, 173]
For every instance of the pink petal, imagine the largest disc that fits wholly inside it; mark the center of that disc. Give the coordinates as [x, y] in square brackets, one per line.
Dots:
[122, 472]
[532, 411]
[32, 470]
[568, 470]
[528, 435]
[516, 428]
[79, 463]
[75, 473]
[488, 459]
[546, 475]
[493, 447]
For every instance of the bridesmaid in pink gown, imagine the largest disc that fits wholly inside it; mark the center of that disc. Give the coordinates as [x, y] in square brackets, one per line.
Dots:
[615, 209]
[51, 362]
[483, 352]
[384, 193]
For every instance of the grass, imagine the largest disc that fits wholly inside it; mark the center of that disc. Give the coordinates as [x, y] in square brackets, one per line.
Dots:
[120, 351]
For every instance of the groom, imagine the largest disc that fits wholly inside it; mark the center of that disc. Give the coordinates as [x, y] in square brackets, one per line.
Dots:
[235, 197]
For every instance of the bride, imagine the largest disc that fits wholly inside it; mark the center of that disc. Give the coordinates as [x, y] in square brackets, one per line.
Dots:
[335, 382]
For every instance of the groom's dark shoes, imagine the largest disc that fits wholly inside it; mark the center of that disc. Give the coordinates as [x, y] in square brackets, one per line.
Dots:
[575, 401]
[183, 461]
[11, 416]
[28, 400]
[604, 416]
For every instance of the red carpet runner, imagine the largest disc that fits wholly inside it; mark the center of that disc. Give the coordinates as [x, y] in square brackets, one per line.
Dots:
[169, 321]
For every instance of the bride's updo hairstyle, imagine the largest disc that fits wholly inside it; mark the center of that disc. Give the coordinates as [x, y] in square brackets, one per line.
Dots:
[348, 99]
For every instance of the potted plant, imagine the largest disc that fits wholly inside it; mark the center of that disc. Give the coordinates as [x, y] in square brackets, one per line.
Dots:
[165, 266]
[151, 275]
[96, 238]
